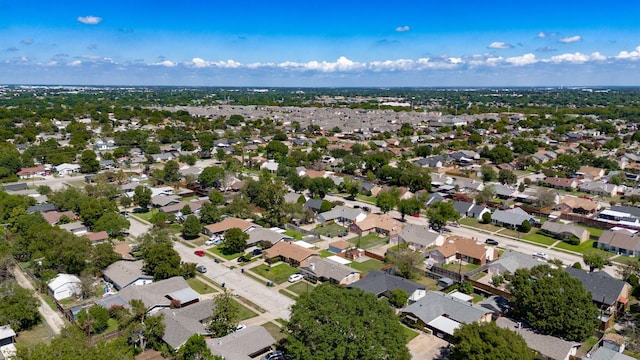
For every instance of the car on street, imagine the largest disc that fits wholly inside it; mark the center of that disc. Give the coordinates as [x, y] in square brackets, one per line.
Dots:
[343, 234]
[455, 224]
[366, 208]
[199, 252]
[201, 269]
[416, 215]
[295, 277]
[244, 258]
[491, 242]
[540, 255]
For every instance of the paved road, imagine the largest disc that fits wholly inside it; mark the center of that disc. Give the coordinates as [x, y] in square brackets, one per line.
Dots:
[268, 299]
[52, 317]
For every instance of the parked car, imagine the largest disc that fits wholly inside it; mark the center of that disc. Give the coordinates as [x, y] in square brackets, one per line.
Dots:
[343, 234]
[455, 224]
[540, 255]
[491, 241]
[241, 327]
[201, 269]
[256, 252]
[243, 259]
[210, 242]
[199, 252]
[295, 277]
[366, 208]
[274, 355]
[417, 215]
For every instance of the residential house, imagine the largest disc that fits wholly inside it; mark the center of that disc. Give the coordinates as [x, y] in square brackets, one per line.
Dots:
[41, 208]
[97, 237]
[292, 198]
[609, 294]
[171, 292]
[418, 237]
[28, 173]
[381, 283]
[314, 205]
[548, 346]
[250, 343]
[462, 208]
[176, 209]
[7, 342]
[603, 353]
[510, 261]
[124, 273]
[53, 217]
[590, 173]
[322, 269]
[465, 184]
[443, 314]
[67, 169]
[565, 231]
[343, 214]
[498, 304]
[510, 218]
[620, 242]
[383, 224]
[164, 200]
[294, 255]
[76, 228]
[624, 215]
[260, 234]
[182, 323]
[504, 191]
[458, 248]
[10, 188]
[573, 204]
[340, 246]
[64, 286]
[561, 183]
[598, 188]
[270, 165]
[433, 162]
[219, 228]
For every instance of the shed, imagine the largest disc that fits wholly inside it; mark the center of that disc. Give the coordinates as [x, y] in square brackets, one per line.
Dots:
[64, 286]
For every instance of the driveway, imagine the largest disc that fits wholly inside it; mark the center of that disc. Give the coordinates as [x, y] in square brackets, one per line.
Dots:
[426, 346]
[268, 299]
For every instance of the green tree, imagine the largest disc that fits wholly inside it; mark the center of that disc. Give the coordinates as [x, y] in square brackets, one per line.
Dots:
[18, 306]
[160, 260]
[525, 227]
[235, 241]
[226, 314]
[406, 262]
[487, 341]
[319, 187]
[142, 196]
[209, 214]
[216, 197]
[594, 260]
[195, 349]
[103, 255]
[191, 228]
[112, 223]
[186, 210]
[386, 201]
[276, 149]
[171, 171]
[486, 217]
[398, 298]
[507, 177]
[88, 162]
[553, 302]
[409, 206]
[211, 176]
[442, 212]
[488, 174]
[350, 324]
[93, 320]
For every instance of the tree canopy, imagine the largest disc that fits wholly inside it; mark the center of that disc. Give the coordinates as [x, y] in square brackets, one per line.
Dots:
[553, 302]
[336, 323]
[487, 341]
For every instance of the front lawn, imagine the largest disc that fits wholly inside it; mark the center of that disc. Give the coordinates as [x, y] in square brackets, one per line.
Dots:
[245, 313]
[326, 253]
[294, 234]
[368, 241]
[146, 216]
[278, 273]
[330, 230]
[586, 246]
[595, 232]
[366, 266]
[540, 239]
[274, 330]
[301, 287]
[216, 250]
[409, 333]
[200, 287]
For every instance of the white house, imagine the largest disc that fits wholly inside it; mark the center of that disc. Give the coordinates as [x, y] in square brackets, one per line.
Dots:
[64, 286]
[67, 169]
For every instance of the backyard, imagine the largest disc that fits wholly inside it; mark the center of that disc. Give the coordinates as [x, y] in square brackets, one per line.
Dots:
[368, 241]
[366, 266]
[278, 273]
[294, 234]
[330, 230]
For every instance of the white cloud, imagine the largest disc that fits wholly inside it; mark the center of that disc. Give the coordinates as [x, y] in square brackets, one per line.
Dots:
[165, 63]
[75, 63]
[570, 39]
[90, 20]
[227, 64]
[526, 59]
[542, 34]
[629, 55]
[26, 41]
[199, 63]
[576, 58]
[499, 45]
[403, 28]
[342, 64]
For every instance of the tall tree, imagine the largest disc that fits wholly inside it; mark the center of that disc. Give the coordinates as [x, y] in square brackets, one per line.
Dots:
[226, 314]
[191, 228]
[594, 260]
[409, 206]
[235, 241]
[336, 323]
[171, 171]
[487, 341]
[142, 196]
[196, 349]
[211, 176]
[386, 201]
[442, 212]
[553, 302]
[88, 162]
[406, 262]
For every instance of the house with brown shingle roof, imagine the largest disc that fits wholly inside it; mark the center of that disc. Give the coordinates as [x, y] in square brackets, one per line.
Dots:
[53, 217]
[561, 183]
[314, 174]
[590, 173]
[97, 237]
[468, 250]
[382, 224]
[27, 173]
[290, 253]
[228, 223]
[340, 246]
[577, 205]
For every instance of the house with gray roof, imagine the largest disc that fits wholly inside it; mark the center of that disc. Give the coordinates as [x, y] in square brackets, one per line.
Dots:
[124, 273]
[182, 323]
[381, 283]
[165, 200]
[418, 237]
[343, 214]
[564, 231]
[510, 261]
[323, 269]
[313, 204]
[462, 208]
[510, 218]
[549, 346]
[259, 234]
[443, 313]
[620, 242]
[247, 344]
[603, 353]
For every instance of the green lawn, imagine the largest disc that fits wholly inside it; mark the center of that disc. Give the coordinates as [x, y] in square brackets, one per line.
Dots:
[582, 248]
[37, 335]
[331, 229]
[595, 232]
[367, 199]
[326, 253]
[409, 333]
[274, 330]
[146, 216]
[216, 250]
[278, 274]
[200, 287]
[245, 313]
[540, 239]
[463, 268]
[294, 234]
[300, 287]
[366, 266]
[288, 294]
[368, 241]
[477, 224]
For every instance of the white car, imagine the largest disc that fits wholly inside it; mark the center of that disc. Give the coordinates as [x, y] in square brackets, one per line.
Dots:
[295, 277]
[541, 255]
[241, 327]
[210, 242]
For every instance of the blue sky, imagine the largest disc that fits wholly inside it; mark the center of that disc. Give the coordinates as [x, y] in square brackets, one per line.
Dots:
[329, 43]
